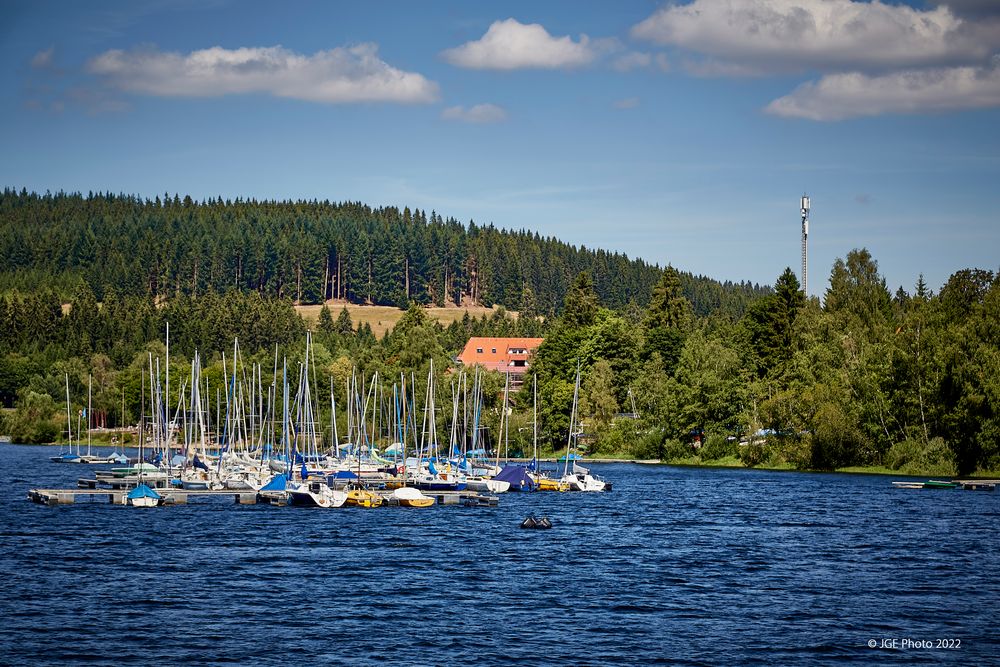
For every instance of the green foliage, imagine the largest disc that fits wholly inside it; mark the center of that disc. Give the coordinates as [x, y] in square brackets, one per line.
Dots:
[580, 306]
[915, 457]
[754, 454]
[344, 325]
[36, 419]
[325, 323]
[718, 446]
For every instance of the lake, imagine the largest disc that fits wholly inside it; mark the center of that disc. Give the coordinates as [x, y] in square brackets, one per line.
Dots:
[681, 566]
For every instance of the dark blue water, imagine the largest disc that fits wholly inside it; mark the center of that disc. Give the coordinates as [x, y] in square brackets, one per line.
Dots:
[676, 566]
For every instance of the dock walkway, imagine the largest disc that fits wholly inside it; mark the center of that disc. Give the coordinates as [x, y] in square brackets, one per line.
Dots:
[175, 496]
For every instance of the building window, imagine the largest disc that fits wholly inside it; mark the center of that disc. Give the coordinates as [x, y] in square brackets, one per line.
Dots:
[494, 350]
[479, 350]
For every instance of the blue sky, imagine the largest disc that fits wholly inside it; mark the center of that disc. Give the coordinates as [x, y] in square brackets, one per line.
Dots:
[677, 132]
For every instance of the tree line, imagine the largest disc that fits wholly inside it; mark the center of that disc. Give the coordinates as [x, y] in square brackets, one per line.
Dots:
[310, 252]
[904, 381]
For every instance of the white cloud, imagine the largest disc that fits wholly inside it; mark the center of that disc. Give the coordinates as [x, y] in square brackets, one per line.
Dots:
[851, 95]
[627, 103]
[830, 35]
[337, 76]
[509, 45]
[43, 59]
[480, 113]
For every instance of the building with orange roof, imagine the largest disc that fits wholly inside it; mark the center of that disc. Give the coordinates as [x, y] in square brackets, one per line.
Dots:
[504, 355]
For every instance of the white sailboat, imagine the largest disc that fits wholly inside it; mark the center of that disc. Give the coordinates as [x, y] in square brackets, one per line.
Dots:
[142, 495]
[580, 478]
[315, 494]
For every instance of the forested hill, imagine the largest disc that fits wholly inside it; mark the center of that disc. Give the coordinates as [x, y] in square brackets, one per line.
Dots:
[310, 251]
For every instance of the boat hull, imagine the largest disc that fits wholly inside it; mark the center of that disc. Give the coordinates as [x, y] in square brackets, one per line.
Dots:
[363, 498]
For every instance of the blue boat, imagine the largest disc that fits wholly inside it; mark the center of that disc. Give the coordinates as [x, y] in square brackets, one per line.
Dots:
[143, 496]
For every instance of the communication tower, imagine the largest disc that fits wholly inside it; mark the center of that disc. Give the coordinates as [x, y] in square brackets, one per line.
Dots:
[805, 244]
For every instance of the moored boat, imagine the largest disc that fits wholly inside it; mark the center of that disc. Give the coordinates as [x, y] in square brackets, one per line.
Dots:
[363, 498]
[143, 496]
[315, 494]
[410, 497]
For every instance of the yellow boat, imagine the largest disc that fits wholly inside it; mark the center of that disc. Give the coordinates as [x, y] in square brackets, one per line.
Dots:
[548, 484]
[410, 497]
[363, 498]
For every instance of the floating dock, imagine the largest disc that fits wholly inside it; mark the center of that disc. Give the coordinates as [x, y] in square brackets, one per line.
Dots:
[175, 496]
[964, 484]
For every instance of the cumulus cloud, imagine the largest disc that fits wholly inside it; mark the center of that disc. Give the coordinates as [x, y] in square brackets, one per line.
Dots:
[829, 35]
[853, 94]
[509, 45]
[337, 76]
[480, 113]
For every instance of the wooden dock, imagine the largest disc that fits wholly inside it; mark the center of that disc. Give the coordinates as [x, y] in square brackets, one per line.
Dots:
[176, 496]
[964, 484]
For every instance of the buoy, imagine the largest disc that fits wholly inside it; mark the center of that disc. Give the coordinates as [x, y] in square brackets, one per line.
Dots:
[532, 522]
[529, 523]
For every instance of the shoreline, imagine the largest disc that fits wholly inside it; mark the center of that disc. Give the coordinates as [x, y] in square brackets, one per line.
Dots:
[849, 470]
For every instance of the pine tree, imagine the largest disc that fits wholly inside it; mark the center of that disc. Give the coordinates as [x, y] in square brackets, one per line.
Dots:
[344, 325]
[326, 325]
[580, 305]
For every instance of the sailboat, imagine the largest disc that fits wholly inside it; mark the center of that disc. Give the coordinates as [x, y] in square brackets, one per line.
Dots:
[316, 494]
[431, 478]
[543, 482]
[68, 456]
[495, 483]
[142, 495]
[580, 478]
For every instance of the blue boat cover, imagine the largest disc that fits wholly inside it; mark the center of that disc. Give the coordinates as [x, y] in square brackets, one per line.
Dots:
[277, 483]
[198, 463]
[433, 470]
[143, 491]
[343, 474]
[518, 478]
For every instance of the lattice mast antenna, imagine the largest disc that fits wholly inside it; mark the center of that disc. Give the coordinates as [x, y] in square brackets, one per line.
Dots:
[804, 202]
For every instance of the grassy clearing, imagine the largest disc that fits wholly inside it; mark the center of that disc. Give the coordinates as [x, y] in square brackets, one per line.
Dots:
[383, 318]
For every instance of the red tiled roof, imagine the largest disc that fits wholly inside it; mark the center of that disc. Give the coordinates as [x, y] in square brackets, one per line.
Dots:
[498, 353]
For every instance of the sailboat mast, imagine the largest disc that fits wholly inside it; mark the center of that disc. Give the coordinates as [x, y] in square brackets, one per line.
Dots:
[90, 412]
[572, 417]
[69, 418]
[534, 416]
